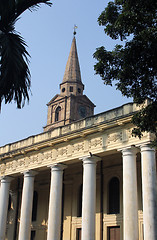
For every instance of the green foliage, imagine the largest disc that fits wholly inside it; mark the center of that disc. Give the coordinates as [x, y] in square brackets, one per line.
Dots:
[145, 120]
[133, 65]
[14, 71]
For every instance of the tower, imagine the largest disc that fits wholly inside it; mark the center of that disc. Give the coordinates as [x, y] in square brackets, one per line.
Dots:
[71, 104]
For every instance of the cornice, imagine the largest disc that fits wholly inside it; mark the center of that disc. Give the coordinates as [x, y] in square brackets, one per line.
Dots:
[70, 148]
[81, 129]
[80, 133]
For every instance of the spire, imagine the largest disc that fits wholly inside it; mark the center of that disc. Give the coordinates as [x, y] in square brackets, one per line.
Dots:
[72, 71]
[71, 104]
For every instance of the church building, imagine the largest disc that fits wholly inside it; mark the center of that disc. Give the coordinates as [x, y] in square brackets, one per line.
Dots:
[86, 177]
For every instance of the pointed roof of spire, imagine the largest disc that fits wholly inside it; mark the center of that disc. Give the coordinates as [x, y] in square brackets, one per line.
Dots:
[72, 71]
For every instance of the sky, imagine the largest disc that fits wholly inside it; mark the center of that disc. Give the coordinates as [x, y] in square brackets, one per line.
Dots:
[48, 33]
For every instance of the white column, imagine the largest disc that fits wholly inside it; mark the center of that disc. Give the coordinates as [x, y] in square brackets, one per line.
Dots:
[26, 205]
[89, 197]
[130, 210]
[55, 202]
[149, 191]
[4, 197]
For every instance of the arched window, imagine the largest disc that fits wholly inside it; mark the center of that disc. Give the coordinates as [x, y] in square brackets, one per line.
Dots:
[57, 114]
[35, 205]
[79, 205]
[114, 196]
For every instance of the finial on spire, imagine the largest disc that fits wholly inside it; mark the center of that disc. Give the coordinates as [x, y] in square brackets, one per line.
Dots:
[75, 27]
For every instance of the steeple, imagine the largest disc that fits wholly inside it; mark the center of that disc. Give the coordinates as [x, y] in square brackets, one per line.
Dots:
[72, 70]
[70, 105]
[72, 83]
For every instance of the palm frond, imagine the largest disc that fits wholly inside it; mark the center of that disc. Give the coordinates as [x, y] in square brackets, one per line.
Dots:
[7, 13]
[11, 9]
[22, 5]
[14, 71]
[15, 75]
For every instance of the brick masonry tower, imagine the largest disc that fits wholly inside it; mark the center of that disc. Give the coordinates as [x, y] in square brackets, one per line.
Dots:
[70, 105]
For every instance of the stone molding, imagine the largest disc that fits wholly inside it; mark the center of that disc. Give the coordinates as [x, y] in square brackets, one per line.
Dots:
[90, 159]
[57, 167]
[6, 179]
[115, 117]
[112, 139]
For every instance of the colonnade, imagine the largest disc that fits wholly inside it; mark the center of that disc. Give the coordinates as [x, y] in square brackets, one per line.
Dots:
[130, 209]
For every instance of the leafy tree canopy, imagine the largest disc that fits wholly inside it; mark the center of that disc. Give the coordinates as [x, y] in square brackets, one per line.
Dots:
[14, 71]
[133, 65]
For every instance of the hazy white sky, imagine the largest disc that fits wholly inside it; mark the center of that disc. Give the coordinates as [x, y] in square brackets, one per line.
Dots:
[48, 33]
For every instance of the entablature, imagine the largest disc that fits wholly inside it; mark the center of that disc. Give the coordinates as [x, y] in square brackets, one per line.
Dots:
[71, 142]
[99, 122]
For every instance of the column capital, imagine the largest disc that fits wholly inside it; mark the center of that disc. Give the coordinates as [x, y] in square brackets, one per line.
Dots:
[6, 179]
[129, 150]
[30, 173]
[90, 159]
[57, 167]
[147, 147]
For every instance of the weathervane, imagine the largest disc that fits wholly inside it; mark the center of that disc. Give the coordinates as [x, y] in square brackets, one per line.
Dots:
[75, 27]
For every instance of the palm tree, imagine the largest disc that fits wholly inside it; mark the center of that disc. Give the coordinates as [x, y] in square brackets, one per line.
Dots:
[14, 71]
